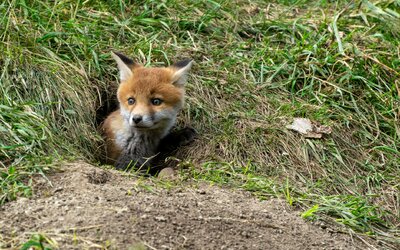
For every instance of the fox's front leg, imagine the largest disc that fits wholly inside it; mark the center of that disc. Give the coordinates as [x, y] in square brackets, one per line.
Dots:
[137, 155]
[128, 160]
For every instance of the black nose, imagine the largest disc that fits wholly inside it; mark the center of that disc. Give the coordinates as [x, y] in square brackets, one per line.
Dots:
[137, 119]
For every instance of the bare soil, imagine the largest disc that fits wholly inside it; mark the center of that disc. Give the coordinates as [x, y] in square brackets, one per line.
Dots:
[88, 207]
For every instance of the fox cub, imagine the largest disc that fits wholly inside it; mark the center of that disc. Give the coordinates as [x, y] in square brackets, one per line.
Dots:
[150, 100]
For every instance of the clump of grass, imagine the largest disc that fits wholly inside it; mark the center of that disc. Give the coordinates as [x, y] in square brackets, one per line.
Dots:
[258, 65]
[25, 138]
[39, 242]
[350, 210]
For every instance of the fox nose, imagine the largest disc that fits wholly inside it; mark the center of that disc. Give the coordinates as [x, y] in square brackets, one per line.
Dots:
[137, 118]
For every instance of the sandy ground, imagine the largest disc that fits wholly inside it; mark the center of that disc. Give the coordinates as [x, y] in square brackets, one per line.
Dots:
[89, 208]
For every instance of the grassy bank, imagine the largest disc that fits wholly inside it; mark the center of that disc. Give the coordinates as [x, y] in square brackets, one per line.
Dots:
[258, 65]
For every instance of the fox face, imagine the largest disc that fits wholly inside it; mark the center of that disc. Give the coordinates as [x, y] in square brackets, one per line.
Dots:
[150, 98]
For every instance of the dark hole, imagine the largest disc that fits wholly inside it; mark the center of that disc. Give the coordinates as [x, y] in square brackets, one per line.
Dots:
[108, 105]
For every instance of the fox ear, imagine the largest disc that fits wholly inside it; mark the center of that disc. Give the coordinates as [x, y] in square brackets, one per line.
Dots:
[180, 71]
[125, 65]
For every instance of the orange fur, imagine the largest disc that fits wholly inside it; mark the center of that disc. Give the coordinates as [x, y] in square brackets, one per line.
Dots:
[108, 129]
[150, 83]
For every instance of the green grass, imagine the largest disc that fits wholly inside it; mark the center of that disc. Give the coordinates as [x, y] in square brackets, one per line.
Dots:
[40, 242]
[258, 65]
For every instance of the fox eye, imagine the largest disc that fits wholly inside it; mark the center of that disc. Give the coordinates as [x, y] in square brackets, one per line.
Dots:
[156, 101]
[131, 101]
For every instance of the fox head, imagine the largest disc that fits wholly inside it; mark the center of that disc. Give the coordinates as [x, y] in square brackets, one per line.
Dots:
[150, 98]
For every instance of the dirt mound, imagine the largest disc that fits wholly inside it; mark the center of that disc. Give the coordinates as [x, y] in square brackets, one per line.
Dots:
[87, 207]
